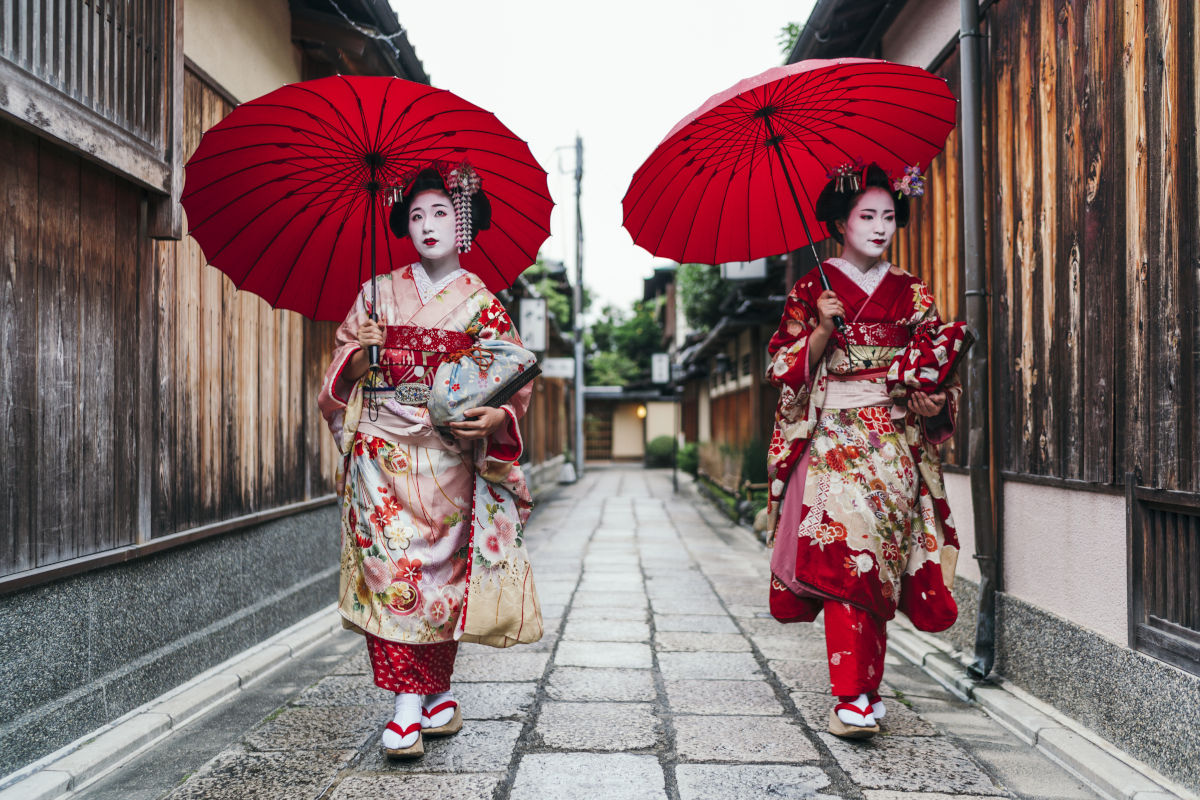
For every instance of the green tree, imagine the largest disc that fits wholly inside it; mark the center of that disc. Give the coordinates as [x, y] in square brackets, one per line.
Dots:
[701, 290]
[621, 344]
[787, 37]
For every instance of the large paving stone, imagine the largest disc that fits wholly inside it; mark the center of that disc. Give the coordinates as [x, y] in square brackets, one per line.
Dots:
[483, 746]
[609, 600]
[802, 676]
[418, 787]
[499, 665]
[596, 776]
[589, 685]
[612, 612]
[912, 764]
[786, 647]
[742, 738]
[344, 690]
[357, 663]
[688, 604]
[598, 726]
[306, 728]
[237, 774]
[712, 666]
[725, 781]
[621, 655]
[900, 720]
[612, 630]
[695, 623]
[684, 642]
[495, 700]
[722, 697]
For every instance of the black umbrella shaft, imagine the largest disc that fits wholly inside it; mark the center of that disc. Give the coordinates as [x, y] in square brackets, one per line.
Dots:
[787, 175]
[373, 350]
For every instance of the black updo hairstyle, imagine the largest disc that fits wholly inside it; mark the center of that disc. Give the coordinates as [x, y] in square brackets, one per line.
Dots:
[834, 206]
[427, 179]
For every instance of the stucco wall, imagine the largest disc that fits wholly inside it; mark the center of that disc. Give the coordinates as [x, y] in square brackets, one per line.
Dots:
[660, 420]
[627, 432]
[1064, 551]
[921, 31]
[704, 412]
[958, 494]
[245, 47]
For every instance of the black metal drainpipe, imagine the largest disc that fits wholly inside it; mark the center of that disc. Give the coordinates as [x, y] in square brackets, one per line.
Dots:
[978, 455]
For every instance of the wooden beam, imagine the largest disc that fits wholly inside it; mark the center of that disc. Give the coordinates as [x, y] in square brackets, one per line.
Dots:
[166, 213]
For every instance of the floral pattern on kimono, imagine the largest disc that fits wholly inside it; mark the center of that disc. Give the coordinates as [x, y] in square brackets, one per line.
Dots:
[408, 491]
[861, 489]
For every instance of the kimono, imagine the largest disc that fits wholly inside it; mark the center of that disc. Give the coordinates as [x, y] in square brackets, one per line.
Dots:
[857, 504]
[408, 492]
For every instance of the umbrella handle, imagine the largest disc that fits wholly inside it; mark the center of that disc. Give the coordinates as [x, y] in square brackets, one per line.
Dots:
[373, 355]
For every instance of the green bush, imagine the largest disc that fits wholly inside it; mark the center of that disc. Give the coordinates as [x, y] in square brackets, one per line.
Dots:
[754, 461]
[660, 452]
[689, 458]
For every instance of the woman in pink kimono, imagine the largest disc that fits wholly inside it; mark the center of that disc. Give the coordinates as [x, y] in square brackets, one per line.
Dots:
[407, 490]
[857, 502]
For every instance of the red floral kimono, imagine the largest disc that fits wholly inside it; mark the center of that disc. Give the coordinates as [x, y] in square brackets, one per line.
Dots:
[407, 491]
[857, 501]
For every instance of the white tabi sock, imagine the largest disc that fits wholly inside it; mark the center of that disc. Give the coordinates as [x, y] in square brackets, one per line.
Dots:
[856, 718]
[877, 707]
[438, 709]
[408, 719]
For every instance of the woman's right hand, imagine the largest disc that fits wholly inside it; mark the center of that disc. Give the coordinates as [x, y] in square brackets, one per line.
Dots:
[829, 306]
[370, 333]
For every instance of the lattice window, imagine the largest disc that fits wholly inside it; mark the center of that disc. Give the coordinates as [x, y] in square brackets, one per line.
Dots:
[1164, 574]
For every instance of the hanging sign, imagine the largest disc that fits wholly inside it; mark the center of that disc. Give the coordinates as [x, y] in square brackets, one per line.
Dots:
[531, 323]
[558, 368]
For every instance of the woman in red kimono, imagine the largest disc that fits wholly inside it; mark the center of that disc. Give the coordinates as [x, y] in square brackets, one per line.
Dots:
[857, 502]
[407, 491]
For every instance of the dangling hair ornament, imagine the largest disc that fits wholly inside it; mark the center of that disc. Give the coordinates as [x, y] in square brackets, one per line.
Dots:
[912, 184]
[462, 183]
[847, 176]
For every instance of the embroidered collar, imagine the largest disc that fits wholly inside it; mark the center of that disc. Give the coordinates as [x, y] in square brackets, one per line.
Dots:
[867, 281]
[426, 288]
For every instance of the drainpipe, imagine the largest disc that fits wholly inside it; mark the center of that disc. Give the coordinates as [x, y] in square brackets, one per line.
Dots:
[976, 297]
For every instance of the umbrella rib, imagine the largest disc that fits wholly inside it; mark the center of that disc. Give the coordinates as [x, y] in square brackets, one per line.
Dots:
[332, 250]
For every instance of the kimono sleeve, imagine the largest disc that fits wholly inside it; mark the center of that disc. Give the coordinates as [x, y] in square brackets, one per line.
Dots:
[506, 444]
[335, 388]
[788, 348]
[939, 427]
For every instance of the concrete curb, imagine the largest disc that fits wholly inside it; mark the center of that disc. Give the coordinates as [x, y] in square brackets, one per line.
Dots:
[104, 749]
[1081, 752]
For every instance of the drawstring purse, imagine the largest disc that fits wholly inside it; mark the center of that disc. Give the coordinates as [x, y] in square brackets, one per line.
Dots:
[487, 373]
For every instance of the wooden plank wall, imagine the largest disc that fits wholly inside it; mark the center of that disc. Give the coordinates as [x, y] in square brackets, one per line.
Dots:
[1093, 230]
[85, 298]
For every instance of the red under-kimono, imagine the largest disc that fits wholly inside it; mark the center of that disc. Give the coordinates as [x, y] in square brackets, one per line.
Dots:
[857, 502]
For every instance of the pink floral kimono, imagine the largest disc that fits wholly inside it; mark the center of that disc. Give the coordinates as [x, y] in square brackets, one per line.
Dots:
[409, 494]
[857, 501]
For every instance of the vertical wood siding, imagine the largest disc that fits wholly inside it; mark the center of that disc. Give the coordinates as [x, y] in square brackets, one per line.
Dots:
[100, 326]
[1093, 237]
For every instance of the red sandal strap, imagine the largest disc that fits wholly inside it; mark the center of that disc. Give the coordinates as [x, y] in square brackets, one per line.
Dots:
[395, 728]
[439, 708]
[851, 707]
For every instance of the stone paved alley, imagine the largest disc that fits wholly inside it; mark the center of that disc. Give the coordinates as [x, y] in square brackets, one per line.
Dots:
[660, 676]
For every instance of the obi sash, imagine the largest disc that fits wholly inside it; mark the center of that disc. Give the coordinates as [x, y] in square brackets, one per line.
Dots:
[411, 354]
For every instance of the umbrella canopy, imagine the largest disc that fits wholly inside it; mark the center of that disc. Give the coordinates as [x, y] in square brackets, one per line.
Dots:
[285, 195]
[737, 178]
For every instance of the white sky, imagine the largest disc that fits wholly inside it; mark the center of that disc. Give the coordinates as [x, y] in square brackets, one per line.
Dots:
[621, 73]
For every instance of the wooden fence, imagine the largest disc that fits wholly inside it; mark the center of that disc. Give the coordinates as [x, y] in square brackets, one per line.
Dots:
[1093, 238]
[140, 394]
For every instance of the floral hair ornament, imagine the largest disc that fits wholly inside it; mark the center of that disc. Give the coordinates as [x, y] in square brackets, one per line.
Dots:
[847, 177]
[461, 182]
[912, 184]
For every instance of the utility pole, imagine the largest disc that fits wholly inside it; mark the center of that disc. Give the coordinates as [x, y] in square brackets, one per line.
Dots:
[577, 310]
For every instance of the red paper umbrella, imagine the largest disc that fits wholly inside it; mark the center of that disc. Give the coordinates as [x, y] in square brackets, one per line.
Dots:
[286, 194]
[736, 179]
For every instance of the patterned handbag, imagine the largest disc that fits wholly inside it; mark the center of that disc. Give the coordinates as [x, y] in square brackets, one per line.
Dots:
[930, 360]
[488, 373]
[500, 607]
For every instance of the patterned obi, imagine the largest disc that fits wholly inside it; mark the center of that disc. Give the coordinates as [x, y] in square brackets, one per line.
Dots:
[411, 355]
[878, 334]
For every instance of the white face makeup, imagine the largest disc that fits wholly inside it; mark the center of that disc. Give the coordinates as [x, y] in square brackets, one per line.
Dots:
[431, 225]
[870, 227]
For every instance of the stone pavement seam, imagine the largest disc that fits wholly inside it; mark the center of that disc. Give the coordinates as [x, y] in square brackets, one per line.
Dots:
[840, 782]
[527, 734]
[1078, 750]
[107, 748]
